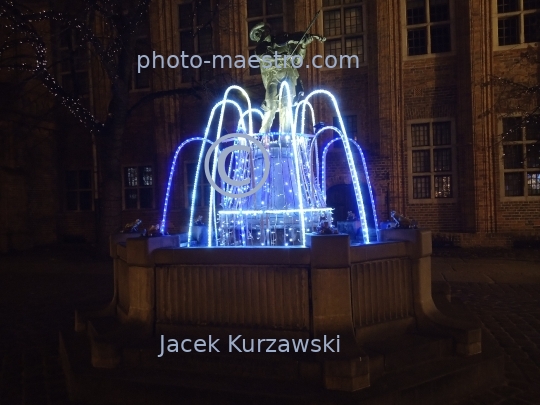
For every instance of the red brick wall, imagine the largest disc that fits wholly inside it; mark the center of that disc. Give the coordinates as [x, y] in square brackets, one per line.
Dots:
[384, 94]
[512, 64]
[430, 92]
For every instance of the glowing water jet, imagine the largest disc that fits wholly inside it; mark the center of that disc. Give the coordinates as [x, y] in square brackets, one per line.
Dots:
[293, 199]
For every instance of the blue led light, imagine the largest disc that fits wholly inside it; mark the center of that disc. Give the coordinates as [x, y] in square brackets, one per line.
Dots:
[171, 175]
[293, 199]
[325, 151]
[222, 103]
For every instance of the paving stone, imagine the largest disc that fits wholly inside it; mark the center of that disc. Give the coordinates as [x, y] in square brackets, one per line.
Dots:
[514, 401]
[530, 371]
[39, 303]
[535, 357]
[530, 349]
[487, 398]
[516, 353]
[467, 402]
[510, 314]
[532, 396]
[535, 340]
[506, 390]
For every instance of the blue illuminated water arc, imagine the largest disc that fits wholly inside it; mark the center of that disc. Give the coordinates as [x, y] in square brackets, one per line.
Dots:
[303, 151]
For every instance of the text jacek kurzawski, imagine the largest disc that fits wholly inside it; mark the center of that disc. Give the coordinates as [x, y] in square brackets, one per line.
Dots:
[238, 344]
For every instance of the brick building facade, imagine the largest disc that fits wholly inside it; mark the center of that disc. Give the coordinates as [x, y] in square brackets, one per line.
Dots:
[418, 103]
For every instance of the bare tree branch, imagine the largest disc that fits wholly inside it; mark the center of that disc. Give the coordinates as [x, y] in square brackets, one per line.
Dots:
[164, 93]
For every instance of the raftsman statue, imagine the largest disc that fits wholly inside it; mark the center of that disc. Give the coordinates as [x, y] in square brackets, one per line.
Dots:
[279, 58]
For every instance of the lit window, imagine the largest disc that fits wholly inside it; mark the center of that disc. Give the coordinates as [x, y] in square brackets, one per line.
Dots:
[203, 187]
[428, 27]
[432, 165]
[268, 11]
[521, 157]
[79, 190]
[138, 187]
[344, 28]
[518, 21]
[196, 38]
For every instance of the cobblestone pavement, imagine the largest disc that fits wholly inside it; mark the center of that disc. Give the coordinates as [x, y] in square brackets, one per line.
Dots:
[39, 291]
[502, 288]
[510, 313]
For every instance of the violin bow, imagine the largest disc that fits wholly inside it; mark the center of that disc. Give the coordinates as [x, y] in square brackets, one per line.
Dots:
[305, 33]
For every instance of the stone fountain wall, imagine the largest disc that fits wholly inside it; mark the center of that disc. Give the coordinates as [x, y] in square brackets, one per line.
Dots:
[363, 293]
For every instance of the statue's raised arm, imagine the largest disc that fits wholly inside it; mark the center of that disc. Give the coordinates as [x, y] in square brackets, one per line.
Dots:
[278, 57]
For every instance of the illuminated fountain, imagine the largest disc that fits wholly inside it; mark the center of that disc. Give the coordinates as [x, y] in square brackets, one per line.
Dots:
[368, 296]
[272, 185]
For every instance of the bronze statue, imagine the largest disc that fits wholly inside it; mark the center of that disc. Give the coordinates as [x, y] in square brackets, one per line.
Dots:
[279, 57]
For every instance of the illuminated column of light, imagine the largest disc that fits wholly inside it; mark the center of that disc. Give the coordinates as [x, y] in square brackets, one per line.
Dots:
[376, 223]
[323, 174]
[229, 173]
[211, 208]
[317, 164]
[303, 104]
[171, 174]
[350, 160]
[206, 131]
[288, 112]
[309, 168]
[306, 173]
[283, 86]
[356, 182]
[314, 150]
[325, 151]
[365, 173]
[234, 168]
[240, 126]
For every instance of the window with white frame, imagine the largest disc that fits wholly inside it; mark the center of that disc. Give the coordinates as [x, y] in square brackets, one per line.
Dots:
[344, 28]
[432, 160]
[518, 21]
[202, 196]
[428, 27]
[521, 157]
[195, 23]
[268, 11]
[138, 187]
[79, 190]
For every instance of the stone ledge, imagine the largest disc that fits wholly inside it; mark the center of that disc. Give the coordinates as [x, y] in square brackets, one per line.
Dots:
[139, 250]
[118, 238]
[378, 251]
[329, 251]
[420, 240]
[234, 255]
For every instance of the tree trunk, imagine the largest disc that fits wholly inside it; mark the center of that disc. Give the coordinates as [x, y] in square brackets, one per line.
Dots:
[110, 145]
[109, 212]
